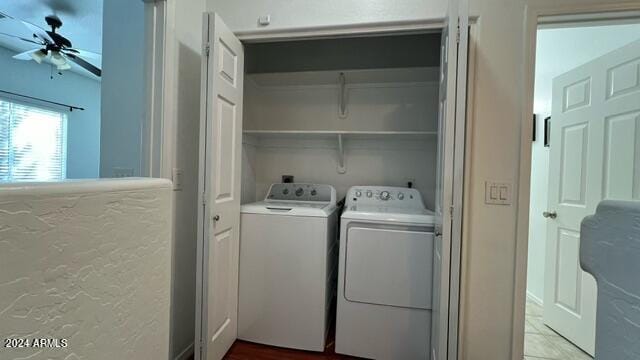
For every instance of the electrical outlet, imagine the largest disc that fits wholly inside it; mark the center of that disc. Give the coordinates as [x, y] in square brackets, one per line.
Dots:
[287, 178]
[496, 193]
[122, 172]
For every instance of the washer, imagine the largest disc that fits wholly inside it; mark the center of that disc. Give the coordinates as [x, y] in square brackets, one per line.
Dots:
[385, 274]
[288, 266]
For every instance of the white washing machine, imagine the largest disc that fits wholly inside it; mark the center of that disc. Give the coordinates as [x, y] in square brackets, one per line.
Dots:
[288, 266]
[385, 274]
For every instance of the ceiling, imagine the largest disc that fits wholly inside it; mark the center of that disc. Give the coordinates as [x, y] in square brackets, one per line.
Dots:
[82, 23]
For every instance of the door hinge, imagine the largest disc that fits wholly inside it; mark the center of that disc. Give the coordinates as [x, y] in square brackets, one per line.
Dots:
[451, 209]
[458, 34]
[207, 49]
[204, 199]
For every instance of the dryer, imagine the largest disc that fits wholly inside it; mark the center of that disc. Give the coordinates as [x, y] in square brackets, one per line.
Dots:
[288, 266]
[385, 274]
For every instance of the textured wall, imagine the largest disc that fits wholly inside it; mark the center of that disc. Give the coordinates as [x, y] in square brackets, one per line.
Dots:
[90, 262]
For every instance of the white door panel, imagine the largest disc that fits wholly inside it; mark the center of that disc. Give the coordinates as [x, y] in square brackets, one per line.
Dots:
[222, 95]
[451, 124]
[594, 155]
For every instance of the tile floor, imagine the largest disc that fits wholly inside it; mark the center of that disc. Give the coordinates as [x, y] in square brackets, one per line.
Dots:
[540, 342]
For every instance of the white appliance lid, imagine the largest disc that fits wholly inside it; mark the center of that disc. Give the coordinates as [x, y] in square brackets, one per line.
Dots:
[295, 199]
[377, 213]
[387, 203]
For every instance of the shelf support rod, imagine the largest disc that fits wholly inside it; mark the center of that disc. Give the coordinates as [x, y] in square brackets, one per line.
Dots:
[342, 112]
[341, 168]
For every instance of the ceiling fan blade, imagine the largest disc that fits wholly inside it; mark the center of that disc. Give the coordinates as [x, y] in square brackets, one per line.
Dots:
[25, 55]
[84, 64]
[33, 29]
[23, 39]
[84, 53]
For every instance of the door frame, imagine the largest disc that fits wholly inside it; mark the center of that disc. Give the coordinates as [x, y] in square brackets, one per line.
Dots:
[537, 13]
[459, 146]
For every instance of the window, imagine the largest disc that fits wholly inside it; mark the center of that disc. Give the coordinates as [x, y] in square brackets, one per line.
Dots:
[32, 143]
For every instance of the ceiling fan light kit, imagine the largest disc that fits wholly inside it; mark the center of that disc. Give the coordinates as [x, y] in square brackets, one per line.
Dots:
[38, 56]
[55, 47]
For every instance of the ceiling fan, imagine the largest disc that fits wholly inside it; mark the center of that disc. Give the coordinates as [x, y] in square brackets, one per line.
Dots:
[53, 46]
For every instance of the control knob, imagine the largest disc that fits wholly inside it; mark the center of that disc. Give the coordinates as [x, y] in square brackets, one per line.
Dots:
[358, 193]
[299, 192]
[400, 196]
[385, 195]
[369, 193]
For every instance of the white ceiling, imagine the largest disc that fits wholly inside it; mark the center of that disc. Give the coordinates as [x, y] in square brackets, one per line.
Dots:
[82, 22]
[563, 49]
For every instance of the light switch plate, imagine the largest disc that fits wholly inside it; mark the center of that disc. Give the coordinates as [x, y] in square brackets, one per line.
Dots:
[122, 172]
[497, 193]
[264, 20]
[176, 177]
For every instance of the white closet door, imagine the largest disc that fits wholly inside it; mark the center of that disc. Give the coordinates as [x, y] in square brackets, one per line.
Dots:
[594, 155]
[219, 248]
[451, 118]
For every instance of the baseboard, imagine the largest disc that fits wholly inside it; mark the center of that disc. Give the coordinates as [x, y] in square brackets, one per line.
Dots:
[534, 298]
[186, 353]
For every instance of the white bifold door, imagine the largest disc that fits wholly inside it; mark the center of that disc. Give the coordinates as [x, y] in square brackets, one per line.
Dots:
[449, 182]
[594, 155]
[220, 164]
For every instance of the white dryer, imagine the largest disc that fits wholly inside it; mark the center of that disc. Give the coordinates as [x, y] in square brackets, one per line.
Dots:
[385, 274]
[288, 266]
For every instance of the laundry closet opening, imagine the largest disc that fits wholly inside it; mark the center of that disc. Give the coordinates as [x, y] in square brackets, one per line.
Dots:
[344, 112]
[291, 131]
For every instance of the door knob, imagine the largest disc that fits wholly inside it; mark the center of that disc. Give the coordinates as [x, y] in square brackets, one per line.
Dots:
[550, 215]
[216, 218]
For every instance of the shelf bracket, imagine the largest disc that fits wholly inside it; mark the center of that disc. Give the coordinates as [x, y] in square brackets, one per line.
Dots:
[341, 166]
[342, 109]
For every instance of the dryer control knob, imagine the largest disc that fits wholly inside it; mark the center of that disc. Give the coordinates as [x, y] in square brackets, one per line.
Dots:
[385, 195]
[314, 192]
[358, 193]
[369, 193]
[400, 196]
[299, 191]
[285, 191]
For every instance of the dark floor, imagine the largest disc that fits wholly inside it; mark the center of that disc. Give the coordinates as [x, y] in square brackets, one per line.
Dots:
[242, 350]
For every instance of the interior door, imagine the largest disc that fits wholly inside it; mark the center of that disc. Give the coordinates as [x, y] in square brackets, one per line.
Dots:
[449, 182]
[595, 147]
[218, 251]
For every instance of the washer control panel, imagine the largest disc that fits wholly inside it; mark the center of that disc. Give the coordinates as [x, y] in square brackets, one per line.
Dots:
[301, 192]
[389, 196]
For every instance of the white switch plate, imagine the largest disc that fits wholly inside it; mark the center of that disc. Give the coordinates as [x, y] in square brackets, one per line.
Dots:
[122, 172]
[176, 177]
[496, 193]
[264, 20]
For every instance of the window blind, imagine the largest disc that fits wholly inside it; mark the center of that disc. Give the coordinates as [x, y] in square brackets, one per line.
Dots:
[32, 143]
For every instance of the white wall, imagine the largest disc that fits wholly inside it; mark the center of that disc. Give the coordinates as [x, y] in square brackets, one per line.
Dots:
[577, 46]
[381, 161]
[94, 268]
[242, 15]
[83, 127]
[123, 87]
[376, 100]
[186, 39]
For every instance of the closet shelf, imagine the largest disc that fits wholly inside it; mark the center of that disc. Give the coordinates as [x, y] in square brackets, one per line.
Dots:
[340, 137]
[347, 134]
